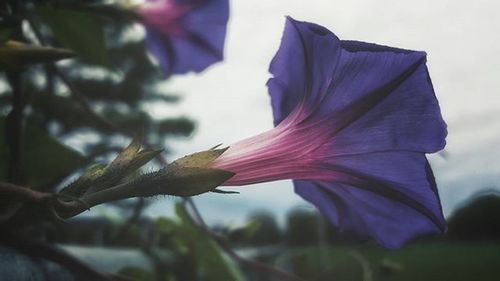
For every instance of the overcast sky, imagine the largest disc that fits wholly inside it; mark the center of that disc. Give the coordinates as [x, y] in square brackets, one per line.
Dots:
[229, 100]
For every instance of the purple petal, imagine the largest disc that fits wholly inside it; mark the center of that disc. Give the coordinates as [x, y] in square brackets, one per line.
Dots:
[357, 46]
[304, 63]
[390, 197]
[408, 118]
[206, 25]
[206, 11]
[200, 42]
[376, 97]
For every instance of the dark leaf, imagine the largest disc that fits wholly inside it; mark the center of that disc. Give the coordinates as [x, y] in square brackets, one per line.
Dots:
[15, 54]
[213, 263]
[5, 34]
[46, 160]
[137, 273]
[79, 31]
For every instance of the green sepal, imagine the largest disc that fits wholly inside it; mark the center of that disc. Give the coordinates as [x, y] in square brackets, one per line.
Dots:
[82, 184]
[194, 181]
[127, 162]
[128, 154]
[200, 159]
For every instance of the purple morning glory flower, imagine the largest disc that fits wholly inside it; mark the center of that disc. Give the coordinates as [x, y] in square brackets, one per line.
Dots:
[185, 35]
[353, 123]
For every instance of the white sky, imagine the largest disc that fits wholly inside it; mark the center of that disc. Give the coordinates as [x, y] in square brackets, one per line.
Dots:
[229, 100]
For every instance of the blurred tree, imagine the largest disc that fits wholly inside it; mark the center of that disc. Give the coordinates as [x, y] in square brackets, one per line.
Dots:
[97, 100]
[477, 220]
[302, 227]
[267, 232]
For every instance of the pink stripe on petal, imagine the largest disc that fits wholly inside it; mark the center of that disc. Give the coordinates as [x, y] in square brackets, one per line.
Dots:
[292, 150]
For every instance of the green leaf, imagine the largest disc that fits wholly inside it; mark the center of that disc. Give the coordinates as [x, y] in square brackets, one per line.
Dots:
[5, 34]
[137, 273]
[166, 225]
[46, 160]
[79, 31]
[213, 264]
[247, 230]
[190, 240]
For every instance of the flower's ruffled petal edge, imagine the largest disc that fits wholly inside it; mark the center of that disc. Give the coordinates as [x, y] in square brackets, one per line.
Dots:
[370, 114]
[206, 11]
[409, 118]
[206, 25]
[201, 43]
[303, 66]
[390, 197]
[378, 98]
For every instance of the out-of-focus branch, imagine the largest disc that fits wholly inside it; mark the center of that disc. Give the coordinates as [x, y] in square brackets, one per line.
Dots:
[14, 129]
[21, 193]
[133, 219]
[229, 251]
[365, 265]
[71, 206]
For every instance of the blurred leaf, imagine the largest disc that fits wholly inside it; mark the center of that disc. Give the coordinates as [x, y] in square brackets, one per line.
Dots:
[179, 126]
[137, 273]
[45, 159]
[166, 225]
[189, 240]
[79, 31]
[248, 230]
[71, 115]
[268, 231]
[15, 54]
[321, 263]
[9, 21]
[5, 34]
[213, 264]
[175, 234]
